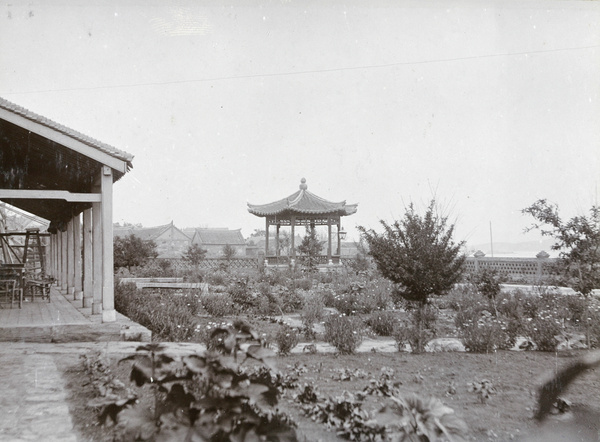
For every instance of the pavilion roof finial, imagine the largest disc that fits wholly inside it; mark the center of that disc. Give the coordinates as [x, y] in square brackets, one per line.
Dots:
[303, 185]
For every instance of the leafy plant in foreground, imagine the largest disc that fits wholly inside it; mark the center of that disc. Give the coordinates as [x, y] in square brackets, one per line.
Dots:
[204, 397]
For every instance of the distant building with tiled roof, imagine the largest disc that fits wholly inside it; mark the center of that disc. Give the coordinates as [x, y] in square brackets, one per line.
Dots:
[214, 239]
[170, 241]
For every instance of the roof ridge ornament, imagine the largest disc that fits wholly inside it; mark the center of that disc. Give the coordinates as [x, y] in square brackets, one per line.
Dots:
[303, 185]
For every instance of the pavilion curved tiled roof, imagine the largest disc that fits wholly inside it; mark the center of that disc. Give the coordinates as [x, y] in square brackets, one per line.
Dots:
[303, 202]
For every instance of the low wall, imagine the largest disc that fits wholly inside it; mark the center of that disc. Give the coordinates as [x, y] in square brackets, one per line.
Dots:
[529, 270]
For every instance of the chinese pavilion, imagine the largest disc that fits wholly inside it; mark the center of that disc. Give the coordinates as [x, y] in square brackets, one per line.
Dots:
[302, 208]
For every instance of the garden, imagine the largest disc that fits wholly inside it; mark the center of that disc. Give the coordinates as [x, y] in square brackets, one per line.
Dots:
[403, 346]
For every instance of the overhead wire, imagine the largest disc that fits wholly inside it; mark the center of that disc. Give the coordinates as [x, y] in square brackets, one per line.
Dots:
[305, 72]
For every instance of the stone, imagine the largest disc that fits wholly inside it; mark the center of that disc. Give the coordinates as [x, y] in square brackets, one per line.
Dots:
[444, 344]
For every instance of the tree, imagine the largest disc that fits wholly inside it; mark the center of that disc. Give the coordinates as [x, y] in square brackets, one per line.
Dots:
[311, 246]
[132, 251]
[228, 252]
[194, 254]
[419, 256]
[577, 239]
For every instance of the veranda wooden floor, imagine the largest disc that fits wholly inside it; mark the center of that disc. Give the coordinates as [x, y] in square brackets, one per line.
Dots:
[59, 311]
[64, 320]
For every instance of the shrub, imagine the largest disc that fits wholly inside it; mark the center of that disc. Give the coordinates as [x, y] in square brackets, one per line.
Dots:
[290, 300]
[485, 335]
[286, 339]
[406, 333]
[542, 331]
[169, 317]
[218, 305]
[343, 332]
[312, 311]
[217, 278]
[303, 283]
[382, 322]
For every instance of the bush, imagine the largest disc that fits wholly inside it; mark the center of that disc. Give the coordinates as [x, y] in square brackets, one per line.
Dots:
[343, 332]
[312, 311]
[290, 300]
[217, 278]
[406, 333]
[303, 283]
[169, 317]
[241, 295]
[485, 335]
[382, 323]
[218, 305]
[542, 331]
[286, 339]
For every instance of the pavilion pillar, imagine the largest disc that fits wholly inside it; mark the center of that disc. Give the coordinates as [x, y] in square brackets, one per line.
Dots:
[88, 281]
[70, 258]
[293, 224]
[277, 242]
[77, 286]
[96, 259]
[63, 263]
[267, 241]
[329, 260]
[109, 313]
[339, 240]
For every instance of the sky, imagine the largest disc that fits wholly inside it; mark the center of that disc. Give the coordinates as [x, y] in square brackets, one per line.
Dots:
[485, 106]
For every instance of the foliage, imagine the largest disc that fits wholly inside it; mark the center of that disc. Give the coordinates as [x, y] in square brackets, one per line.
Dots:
[487, 282]
[420, 330]
[194, 254]
[201, 397]
[382, 322]
[345, 413]
[417, 253]
[483, 389]
[313, 310]
[240, 294]
[413, 418]
[385, 385]
[218, 304]
[345, 333]
[169, 317]
[578, 240]
[228, 252]
[310, 247]
[286, 339]
[132, 251]
[484, 334]
[543, 331]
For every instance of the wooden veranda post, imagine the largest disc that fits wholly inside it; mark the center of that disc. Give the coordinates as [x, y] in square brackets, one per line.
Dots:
[88, 281]
[108, 297]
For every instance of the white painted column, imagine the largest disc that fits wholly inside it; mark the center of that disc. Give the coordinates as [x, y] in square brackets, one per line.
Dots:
[109, 313]
[97, 258]
[78, 283]
[88, 276]
[63, 263]
[70, 259]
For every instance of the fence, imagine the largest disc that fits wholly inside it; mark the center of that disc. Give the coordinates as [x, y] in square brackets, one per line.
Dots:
[252, 263]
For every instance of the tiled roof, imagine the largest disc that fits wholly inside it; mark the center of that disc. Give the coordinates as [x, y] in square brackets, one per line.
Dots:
[144, 233]
[112, 151]
[223, 236]
[303, 202]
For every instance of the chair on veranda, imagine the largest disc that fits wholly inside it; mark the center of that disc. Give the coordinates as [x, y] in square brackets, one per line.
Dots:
[11, 286]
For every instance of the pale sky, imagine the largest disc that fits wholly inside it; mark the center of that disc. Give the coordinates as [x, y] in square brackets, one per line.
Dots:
[488, 105]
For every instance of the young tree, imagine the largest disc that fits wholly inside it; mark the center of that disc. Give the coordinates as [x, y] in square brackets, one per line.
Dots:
[228, 252]
[577, 239]
[311, 246]
[419, 256]
[132, 251]
[194, 254]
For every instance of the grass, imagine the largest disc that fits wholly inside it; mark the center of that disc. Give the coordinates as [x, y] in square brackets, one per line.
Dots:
[505, 416]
